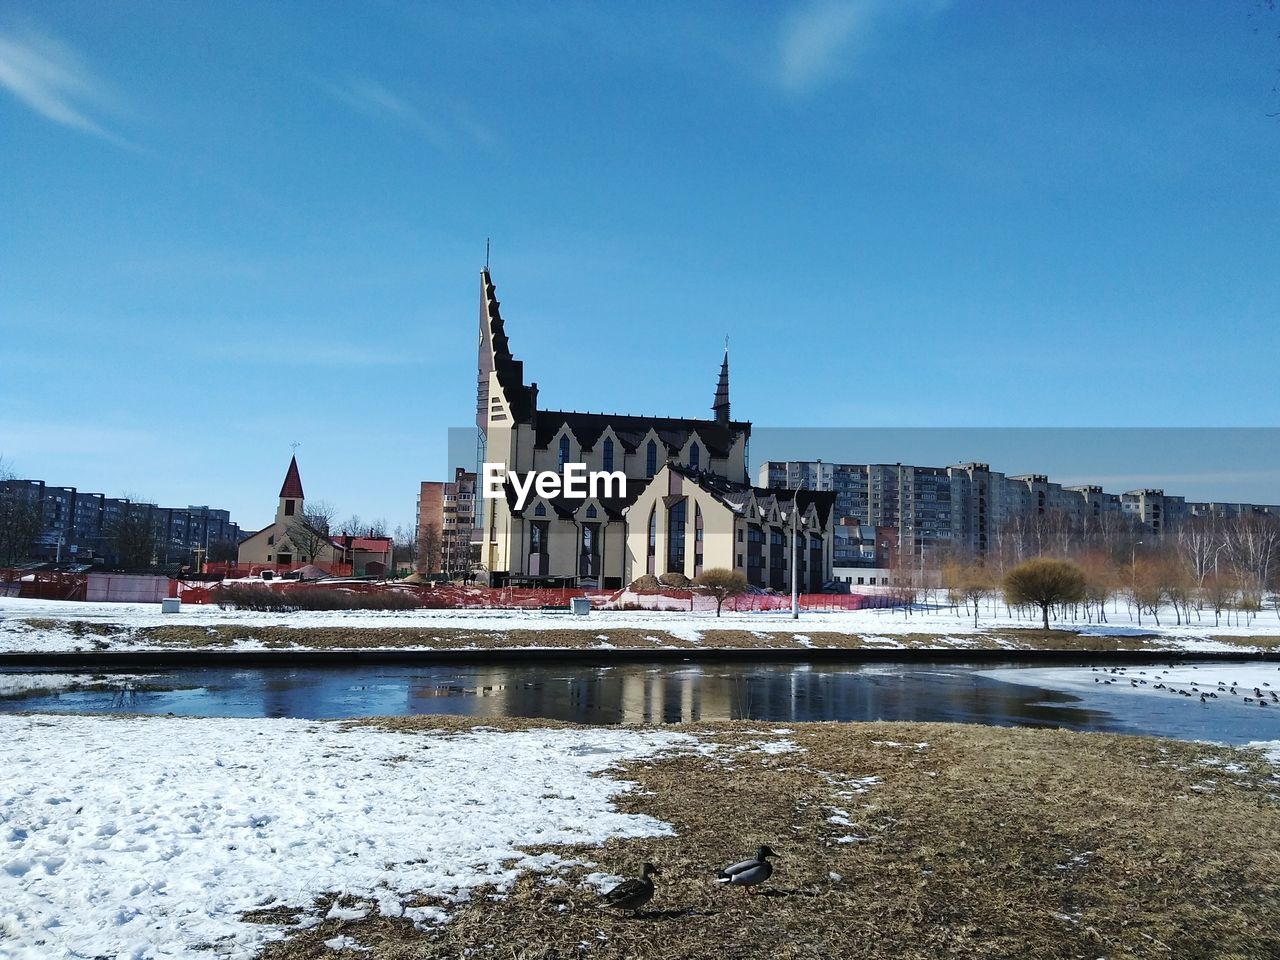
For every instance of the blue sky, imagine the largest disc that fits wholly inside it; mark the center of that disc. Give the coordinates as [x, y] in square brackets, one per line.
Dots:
[227, 227]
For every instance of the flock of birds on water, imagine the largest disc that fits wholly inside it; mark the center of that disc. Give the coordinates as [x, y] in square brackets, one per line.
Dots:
[1261, 697]
[635, 893]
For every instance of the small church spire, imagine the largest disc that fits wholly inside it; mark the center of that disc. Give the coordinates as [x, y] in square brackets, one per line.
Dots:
[292, 486]
[721, 405]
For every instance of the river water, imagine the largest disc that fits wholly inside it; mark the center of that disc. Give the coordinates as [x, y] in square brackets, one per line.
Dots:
[1002, 694]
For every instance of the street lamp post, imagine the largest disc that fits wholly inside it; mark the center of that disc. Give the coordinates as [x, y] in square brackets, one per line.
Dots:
[795, 555]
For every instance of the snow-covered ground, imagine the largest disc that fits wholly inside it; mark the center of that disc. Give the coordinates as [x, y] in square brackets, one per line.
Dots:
[141, 838]
[878, 626]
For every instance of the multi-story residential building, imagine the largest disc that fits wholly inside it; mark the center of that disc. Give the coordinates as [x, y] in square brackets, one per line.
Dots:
[969, 507]
[446, 525]
[81, 526]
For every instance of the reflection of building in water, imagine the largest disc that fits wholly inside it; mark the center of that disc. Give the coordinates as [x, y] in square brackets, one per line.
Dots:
[480, 692]
[655, 696]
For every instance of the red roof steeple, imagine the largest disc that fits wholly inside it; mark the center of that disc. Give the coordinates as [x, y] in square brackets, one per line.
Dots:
[292, 482]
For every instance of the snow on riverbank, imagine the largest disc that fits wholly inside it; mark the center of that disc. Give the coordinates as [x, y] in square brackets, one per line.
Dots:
[880, 626]
[140, 838]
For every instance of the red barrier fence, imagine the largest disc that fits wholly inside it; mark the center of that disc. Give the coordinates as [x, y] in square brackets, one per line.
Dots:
[51, 585]
[44, 584]
[452, 597]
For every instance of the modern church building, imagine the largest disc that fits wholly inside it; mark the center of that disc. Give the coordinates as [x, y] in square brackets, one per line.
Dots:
[687, 505]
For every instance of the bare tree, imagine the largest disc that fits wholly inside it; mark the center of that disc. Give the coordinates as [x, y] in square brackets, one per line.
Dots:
[134, 535]
[21, 518]
[310, 531]
[404, 547]
[222, 551]
[1201, 542]
[721, 583]
[1253, 543]
[429, 549]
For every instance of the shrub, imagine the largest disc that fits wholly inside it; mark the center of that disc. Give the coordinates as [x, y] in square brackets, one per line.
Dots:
[1043, 582]
[722, 584]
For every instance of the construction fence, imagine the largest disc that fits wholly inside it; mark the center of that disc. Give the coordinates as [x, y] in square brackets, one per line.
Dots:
[142, 588]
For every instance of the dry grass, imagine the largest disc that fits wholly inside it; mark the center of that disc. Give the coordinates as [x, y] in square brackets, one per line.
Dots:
[460, 638]
[578, 637]
[987, 843]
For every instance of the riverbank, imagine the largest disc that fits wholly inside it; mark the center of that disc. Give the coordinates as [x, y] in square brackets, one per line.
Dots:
[904, 840]
[439, 837]
[28, 626]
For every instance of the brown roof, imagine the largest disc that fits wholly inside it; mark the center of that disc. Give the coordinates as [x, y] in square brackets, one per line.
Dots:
[292, 487]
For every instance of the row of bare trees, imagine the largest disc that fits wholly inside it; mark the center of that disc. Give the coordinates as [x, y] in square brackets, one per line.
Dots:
[1208, 565]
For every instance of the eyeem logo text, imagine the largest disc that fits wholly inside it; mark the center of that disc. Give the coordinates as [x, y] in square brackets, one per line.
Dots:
[574, 483]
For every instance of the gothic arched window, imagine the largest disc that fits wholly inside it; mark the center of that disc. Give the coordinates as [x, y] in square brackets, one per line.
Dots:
[651, 459]
[564, 452]
[608, 454]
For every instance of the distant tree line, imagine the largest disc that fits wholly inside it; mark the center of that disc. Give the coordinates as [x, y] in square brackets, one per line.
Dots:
[1205, 566]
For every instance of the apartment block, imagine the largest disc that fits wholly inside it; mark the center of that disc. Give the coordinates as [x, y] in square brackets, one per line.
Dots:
[81, 526]
[969, 507]
[446, 524]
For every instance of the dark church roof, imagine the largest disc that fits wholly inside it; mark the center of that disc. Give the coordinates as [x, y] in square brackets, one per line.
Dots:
[721, 404]
[717, 434]
[631, 430]
[736, 495]
[567, 508]
[292, 487]
[522, 399]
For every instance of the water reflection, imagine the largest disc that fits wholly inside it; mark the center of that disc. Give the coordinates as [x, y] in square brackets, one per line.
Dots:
[631, 693]
[661, 693]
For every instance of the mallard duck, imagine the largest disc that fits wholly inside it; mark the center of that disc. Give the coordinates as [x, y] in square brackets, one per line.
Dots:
[632, 894]
[749, 873]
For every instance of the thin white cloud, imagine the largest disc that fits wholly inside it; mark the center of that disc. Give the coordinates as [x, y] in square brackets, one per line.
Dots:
[816, 39]
[818, 42]
[52, 79]
[447, 122]
[373, 99]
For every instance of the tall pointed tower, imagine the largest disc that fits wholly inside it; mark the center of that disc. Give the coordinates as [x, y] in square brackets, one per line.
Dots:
[721, 405]
[291, 496]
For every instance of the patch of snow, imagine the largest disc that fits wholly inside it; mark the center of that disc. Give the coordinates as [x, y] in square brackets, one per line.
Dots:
[878, 626]
[347, 943]
[1270, 749]
[146, 837]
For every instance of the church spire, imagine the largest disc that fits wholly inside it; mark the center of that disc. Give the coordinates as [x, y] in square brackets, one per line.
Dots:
[721, 405]
[292, 486]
